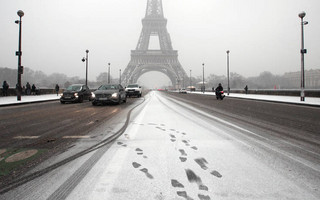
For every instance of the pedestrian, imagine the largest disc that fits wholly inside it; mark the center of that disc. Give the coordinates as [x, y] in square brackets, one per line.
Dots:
[212, 89]
[5, 87]
[246, 89]
[28, 88]
[33, 89]
[57, 89]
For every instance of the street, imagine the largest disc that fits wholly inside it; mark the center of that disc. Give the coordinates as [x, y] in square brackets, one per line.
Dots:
[175, 146]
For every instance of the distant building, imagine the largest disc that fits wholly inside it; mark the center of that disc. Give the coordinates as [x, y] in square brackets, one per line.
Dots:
[293, 79]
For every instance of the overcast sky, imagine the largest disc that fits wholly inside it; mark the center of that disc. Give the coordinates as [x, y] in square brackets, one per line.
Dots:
[262, 35]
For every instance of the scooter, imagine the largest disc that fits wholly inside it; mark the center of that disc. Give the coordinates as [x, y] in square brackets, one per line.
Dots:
[220, 95]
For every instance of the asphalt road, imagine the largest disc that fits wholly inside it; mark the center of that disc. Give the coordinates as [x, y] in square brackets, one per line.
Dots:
[50, 126]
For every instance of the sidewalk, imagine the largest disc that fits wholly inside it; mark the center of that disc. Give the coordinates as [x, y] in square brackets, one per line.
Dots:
[273, 98]
[12, 100]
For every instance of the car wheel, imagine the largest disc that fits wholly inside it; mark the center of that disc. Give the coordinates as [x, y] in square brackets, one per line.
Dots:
[94, 103]
[80, 99]
[62, 102]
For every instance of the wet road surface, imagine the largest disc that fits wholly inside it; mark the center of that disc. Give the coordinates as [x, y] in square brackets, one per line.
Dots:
[50, 127]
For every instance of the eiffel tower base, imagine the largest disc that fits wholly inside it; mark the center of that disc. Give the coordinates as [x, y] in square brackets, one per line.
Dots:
[164, 60]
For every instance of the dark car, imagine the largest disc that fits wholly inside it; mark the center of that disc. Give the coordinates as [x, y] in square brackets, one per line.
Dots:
[75, 93]
[109, 93]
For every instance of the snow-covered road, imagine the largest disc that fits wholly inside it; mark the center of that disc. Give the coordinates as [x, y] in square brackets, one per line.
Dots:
[170, 151]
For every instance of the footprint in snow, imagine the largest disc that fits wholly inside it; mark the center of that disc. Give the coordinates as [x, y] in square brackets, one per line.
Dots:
[121, 144]
[140, 152]
[144, 170]
[202, 163]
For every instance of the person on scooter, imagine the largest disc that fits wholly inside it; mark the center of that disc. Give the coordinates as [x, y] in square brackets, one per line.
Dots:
[219, 89]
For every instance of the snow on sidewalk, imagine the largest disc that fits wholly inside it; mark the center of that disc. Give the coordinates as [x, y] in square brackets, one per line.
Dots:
[276, 98]
[12, 100]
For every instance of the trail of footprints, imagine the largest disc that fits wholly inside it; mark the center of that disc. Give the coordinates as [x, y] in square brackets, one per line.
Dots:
[192, 177]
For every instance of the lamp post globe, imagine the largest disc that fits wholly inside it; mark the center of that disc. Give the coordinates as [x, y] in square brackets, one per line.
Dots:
[302, 15]
[20, 13]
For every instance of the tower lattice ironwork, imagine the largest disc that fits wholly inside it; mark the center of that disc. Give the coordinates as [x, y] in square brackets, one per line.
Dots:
[143, 59]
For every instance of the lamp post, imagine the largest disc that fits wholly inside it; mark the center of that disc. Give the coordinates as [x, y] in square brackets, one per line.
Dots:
[228, 70]
[108, 73]
[302, 51]
[190, 80]
[203, 87]
[86, 59]
[19, 54]
[120, 76]
[178, 83]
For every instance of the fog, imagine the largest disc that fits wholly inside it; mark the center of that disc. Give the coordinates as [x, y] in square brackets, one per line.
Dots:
[262, 35]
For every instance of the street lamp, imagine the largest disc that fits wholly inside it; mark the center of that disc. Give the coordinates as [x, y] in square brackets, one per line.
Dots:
[19, 54]
[86, 59]
[108, 73]
[302, 51]
[203, 87]
[178, 83]
[120, 77]
[190, 80]
[228, 70]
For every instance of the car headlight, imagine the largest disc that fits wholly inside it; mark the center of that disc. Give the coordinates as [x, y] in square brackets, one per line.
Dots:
[61, 94]
[76, 95]
[93, 95]
[114, 95]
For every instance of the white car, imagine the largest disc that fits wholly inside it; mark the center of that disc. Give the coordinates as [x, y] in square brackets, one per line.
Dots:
[183, 91]
[134, 90]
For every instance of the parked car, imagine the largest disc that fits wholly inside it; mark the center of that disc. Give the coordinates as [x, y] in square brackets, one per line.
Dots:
[109, 93]
[75, 93]
[134, 90]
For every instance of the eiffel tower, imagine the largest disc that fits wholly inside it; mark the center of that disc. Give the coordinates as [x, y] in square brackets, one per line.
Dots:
[144, 60]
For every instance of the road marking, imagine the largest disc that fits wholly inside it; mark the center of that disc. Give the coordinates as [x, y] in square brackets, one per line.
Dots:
[21, 155]
[2, 151]
[76, 137]
[92, 122]
[26, 137]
